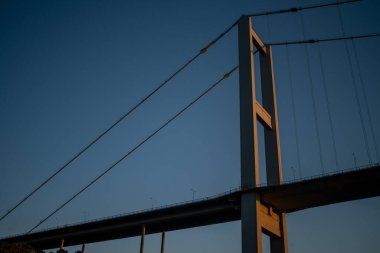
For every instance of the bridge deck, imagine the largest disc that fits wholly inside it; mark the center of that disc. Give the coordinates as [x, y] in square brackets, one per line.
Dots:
[290, 197]
[353, 185]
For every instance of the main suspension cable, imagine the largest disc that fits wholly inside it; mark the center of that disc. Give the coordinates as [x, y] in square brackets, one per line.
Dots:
[124, 116]
[312, 41]
[191, 60]
[134, 149]
[298, 9]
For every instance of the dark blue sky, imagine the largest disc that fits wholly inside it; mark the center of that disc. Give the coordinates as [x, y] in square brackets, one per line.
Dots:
[68, 69]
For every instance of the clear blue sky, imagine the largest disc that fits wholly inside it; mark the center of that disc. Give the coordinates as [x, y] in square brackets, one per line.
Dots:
[68, 69]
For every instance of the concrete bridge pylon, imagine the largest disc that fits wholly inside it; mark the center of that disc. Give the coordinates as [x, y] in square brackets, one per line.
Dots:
[256, 217]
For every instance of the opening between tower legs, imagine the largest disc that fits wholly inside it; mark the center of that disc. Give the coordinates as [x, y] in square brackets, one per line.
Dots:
[257, 218]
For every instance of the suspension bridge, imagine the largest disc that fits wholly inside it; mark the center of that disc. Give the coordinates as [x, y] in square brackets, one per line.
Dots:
[261, 207]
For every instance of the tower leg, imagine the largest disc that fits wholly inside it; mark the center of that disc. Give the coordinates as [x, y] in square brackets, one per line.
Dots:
[279, 244]
[257, 218]
[250, 224]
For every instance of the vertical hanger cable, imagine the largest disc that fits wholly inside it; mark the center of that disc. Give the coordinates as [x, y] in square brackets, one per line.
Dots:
[328, 105]
[294, 112]
[365, 100]
[354, 86]
[312, 95]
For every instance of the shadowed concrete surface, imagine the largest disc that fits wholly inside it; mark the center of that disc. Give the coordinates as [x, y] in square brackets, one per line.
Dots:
[322, 191]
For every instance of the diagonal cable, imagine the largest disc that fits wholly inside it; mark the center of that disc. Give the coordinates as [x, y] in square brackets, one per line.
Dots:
[202, 51]
[134, 149]
[125, 115]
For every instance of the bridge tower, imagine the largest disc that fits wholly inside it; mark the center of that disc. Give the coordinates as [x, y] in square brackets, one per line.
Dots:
[257, 217]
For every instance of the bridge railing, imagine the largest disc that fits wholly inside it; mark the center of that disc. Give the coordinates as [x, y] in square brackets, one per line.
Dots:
[198, 200]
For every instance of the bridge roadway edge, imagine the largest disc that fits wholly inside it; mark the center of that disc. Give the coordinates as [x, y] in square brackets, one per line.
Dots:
[289, 197]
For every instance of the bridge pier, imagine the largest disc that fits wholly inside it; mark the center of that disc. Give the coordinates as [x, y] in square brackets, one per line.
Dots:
[162, 241]
[256, 217]
[142, 239]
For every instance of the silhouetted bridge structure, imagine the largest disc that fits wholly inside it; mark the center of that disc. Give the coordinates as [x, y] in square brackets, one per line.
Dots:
[285, 198]
[261, 209]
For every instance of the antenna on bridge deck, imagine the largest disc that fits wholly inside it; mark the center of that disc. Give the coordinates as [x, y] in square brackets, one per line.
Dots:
[193, 191]
[354, 157]
[294, 172]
